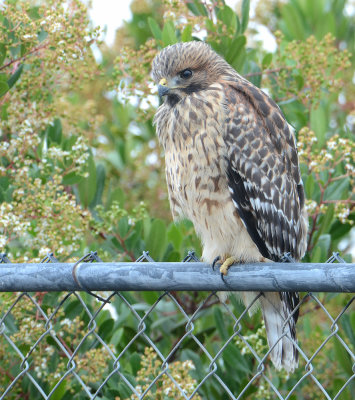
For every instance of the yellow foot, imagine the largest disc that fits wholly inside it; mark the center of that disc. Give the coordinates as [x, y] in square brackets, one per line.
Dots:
[227, 263]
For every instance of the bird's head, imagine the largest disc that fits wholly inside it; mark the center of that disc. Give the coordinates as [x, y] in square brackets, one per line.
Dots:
[185, 68]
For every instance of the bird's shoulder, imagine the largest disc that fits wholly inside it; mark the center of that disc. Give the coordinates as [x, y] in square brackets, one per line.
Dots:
[254, 118]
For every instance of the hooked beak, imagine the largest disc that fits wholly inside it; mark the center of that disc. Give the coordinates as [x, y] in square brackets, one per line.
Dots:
[163, 88]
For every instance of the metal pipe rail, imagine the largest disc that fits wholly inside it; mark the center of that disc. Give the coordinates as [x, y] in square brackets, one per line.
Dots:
[124, 276]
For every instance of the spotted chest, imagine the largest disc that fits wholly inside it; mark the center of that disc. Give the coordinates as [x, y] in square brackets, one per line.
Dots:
[195, 154]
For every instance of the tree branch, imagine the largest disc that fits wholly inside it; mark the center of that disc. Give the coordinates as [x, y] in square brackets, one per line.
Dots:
[34, 50]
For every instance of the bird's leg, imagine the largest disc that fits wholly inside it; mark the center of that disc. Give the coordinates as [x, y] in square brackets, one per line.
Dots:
[226, 264]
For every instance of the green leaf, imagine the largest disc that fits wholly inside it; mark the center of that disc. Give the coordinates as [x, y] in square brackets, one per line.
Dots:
[175, 236]
[8, 194]
[15, 76]
[15, 51]
[34, 13]
[197, 8]
[218, 317]
[135, 237]
[210, 26]
[24, 48]
[155, 29]
[325, 222]
[237, 45]
[240, 59]
[117, 195]
[106, 327]
[149, 297]
[309, 186]
[123, 226]
[156, 239]
[352, 323]
[317, 255]
[338, 6]
[266, 60]
[42, 36]
[173, 256]
[124, 391]
[228, 17]
[300, 81]
[135, 361]
[168, 35]
[71, 178]
[60, 391]
[234, 358]
[73, 309]
[54, 131]
[343, 357]
[186, 35]
[319, 123]
[326, 25]
[293, 21]
[117, 336]
[339, 230]
[324, 242]
[4, 182]
[2, 53]
[245, 15]
[2, 195]
[348, 324]
[4, 87]
[87, 186]
[100, 183]
[338, 190]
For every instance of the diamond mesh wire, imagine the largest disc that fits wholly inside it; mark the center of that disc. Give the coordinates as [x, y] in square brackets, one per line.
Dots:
[151, 345]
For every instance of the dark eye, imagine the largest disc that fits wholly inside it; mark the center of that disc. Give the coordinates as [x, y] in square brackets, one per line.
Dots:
[186, 73]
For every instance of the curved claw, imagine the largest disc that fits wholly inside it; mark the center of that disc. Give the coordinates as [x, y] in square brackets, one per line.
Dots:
[215, 262]
[227, 263]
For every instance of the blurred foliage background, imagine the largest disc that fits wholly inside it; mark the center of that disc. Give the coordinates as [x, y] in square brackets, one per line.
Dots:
[81, 169]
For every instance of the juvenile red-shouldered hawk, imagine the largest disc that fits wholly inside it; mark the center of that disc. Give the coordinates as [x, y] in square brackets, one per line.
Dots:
[232, 169]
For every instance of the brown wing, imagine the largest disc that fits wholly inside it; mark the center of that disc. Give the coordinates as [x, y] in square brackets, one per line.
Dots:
[263, 172]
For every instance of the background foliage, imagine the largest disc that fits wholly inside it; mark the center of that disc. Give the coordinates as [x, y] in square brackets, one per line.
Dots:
[80, 166]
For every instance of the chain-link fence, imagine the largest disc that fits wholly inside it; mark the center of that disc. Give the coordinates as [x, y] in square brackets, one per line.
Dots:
[59, 340]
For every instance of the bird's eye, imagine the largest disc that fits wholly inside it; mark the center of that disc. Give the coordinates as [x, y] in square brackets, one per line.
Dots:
[186, 73]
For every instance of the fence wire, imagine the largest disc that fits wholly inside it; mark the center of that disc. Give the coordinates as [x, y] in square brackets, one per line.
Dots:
[165, 345]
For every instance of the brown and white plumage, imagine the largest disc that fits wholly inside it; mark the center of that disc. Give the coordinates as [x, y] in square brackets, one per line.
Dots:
[232, 169]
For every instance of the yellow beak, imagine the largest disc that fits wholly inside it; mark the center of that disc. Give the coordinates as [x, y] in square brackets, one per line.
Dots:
[163, 88]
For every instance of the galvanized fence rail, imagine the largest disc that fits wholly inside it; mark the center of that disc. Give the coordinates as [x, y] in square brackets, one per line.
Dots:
[29, 356]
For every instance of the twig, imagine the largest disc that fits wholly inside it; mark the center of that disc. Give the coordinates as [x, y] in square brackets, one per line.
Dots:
[42, 46]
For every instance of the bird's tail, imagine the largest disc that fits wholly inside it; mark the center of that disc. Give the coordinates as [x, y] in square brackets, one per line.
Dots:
[281, 327]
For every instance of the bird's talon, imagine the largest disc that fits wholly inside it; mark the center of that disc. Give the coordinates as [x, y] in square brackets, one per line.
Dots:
[227, 263]
[223, 270]
[215, 262]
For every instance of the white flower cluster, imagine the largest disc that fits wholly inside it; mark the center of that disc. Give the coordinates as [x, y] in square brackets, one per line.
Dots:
[256, 340]
[57, 153]
[311, 206]
[66, 321]
[10, 222]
